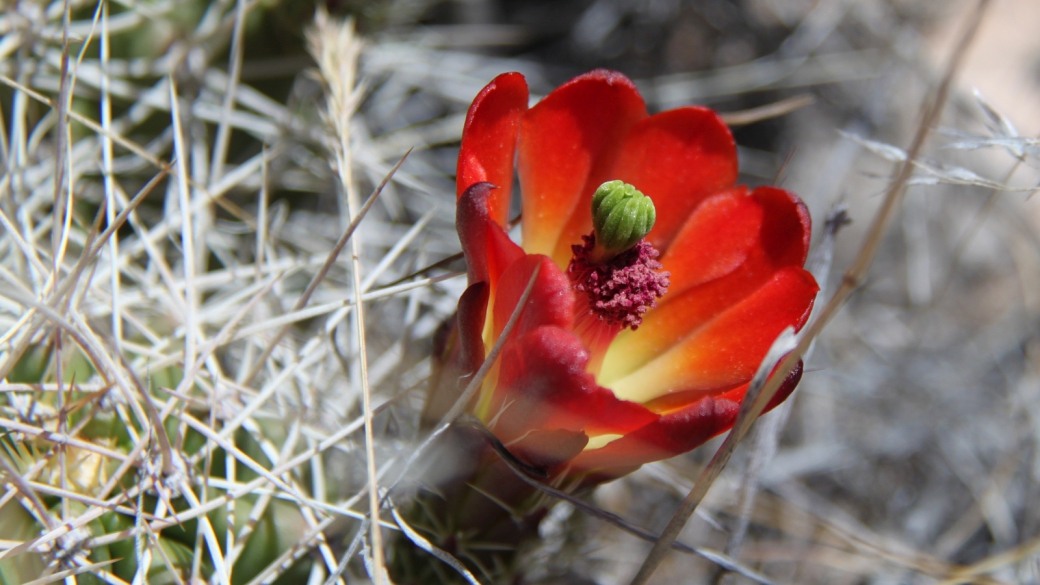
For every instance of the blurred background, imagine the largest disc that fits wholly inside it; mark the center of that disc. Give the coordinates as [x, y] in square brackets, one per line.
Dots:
[909, 454]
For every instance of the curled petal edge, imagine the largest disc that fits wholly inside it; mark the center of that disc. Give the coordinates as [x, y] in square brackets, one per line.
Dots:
[485, 243]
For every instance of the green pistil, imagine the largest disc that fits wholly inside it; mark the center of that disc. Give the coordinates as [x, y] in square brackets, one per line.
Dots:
[621, 217]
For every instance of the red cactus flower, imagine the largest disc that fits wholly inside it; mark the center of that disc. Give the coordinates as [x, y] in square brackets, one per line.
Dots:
[628, 355]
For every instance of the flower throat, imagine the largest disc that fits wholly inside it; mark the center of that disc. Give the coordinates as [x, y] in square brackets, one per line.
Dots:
[615, 270]
[620, 289]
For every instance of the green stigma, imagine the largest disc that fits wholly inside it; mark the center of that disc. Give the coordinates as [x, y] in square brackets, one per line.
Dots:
[621, 216]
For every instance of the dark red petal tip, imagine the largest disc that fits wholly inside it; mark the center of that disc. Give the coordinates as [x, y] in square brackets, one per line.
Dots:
[787, 232]
[485, 243]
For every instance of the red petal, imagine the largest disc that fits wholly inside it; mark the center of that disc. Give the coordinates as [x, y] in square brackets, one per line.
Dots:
[714, 241]
[472, 314]
[729, 227]
[489, 141]
[676, 319]
[727, 350]
[563, 140]
[676, 432]
[669, 435]
[785, 389]
[730, 247]
[551, 301]
[543, 384]
[786, 234]
[485, 244]
[678, 400]
[462, 353]
[677, 158]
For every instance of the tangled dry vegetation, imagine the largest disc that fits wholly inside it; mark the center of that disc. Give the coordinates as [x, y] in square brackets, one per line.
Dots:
[192, 393]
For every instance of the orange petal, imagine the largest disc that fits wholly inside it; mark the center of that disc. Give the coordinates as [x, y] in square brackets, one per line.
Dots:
[727, 228]
[677, 318]
[727, 350]
[675, 432]
[678, 400]
[715, 240]
[489, 141]
[730, 247]
[563, 140]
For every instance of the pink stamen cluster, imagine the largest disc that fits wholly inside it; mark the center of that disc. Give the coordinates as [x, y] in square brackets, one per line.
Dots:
[621, 289]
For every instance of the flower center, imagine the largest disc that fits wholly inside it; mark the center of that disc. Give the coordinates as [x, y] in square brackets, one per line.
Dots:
[620, 289]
